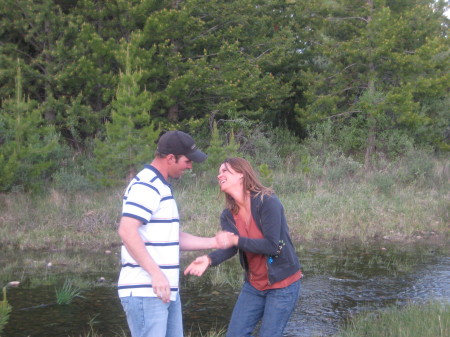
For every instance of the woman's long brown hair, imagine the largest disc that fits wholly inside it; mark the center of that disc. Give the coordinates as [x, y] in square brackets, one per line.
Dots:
[250, 182]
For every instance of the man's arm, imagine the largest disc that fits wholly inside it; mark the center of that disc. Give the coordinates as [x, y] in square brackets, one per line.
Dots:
[192, 242]
[128, 231]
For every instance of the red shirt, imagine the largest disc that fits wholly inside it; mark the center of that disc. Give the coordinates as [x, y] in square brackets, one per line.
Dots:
[258, 275]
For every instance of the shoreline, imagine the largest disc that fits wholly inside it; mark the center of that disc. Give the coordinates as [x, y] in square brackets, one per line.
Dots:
[420, 237]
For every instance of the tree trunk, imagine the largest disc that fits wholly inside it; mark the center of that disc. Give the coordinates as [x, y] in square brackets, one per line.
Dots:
[46, 49]
[173, 113]
[371, 136]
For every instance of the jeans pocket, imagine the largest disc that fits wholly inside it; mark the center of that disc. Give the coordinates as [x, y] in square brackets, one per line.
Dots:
[125, 303]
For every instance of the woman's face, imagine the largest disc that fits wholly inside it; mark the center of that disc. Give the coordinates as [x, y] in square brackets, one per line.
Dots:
[228, 178]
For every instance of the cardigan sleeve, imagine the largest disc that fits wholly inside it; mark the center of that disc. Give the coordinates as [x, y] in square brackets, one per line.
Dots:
[220, 255]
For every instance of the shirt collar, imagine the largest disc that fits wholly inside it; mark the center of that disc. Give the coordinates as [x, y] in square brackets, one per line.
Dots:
[159, 175]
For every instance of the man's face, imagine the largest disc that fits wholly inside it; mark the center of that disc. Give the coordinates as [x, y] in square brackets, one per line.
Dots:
[177, 168]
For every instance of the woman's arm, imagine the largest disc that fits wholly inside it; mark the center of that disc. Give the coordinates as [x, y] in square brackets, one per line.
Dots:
[227, 225]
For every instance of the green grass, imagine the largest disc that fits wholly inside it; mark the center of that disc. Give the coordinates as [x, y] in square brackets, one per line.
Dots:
[426, 320]
[355, 205]
[60, 221]
[67, 293]
[5, 310]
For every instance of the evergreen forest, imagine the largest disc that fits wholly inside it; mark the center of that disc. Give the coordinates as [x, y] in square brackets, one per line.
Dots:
[88, 86]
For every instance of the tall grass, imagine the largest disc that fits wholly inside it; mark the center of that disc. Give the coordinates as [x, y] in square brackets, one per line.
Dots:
[58, 220]
[426, 320]
[339, 200]
[359, 204]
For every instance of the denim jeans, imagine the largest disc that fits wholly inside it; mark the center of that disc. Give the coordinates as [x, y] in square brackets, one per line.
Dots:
[150, 317]
[273, 306]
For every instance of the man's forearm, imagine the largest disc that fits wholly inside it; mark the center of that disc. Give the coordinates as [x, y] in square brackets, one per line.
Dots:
[128, 232]
[192, 242]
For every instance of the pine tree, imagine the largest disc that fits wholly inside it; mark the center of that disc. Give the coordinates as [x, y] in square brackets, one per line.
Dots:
[219, 150]
[130, 138]
[30, 151]
[375, 65]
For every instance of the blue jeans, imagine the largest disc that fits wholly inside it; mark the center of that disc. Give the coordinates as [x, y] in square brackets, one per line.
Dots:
[273, 306]
[150, 317]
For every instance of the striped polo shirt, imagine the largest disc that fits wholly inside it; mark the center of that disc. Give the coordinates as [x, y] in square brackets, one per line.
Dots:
[149, 198]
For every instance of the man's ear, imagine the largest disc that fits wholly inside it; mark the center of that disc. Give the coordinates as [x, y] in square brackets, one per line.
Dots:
[170, 158]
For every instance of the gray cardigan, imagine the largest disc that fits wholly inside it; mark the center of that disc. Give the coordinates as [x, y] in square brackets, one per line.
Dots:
[268, 213]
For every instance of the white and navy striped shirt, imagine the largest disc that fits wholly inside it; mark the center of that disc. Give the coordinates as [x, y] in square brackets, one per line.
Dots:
[149, 198]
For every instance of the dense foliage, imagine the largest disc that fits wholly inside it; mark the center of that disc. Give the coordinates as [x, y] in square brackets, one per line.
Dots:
[101, 80]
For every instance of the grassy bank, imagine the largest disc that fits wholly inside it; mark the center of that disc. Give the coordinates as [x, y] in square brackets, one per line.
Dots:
[426, 320]
[339, 201]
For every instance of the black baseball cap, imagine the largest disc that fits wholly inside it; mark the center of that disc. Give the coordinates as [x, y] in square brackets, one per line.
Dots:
[178, 142]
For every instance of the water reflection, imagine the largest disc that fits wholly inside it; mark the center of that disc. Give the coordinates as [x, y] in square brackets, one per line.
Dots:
[328, 301]
[339, 283]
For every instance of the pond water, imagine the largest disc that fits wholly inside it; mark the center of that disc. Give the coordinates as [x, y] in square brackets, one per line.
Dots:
[339, 282]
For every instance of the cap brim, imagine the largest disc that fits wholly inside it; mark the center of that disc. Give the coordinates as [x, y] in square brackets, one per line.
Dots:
[197, 156]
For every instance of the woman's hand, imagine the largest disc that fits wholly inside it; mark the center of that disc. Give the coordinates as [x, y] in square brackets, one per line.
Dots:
[198, 266]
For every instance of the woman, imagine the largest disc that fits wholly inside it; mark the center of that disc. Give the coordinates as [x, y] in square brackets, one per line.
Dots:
[255, 225]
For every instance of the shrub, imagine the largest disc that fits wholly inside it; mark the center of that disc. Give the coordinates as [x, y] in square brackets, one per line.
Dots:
[383, 182]
[416, 165]
[76, 175]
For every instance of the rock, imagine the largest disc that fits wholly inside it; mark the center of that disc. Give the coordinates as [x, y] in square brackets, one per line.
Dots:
[14, 283]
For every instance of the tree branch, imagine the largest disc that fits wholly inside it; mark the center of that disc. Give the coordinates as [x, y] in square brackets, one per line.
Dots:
[342, 114]
[351, 65]
[264, 52]
[349, 18]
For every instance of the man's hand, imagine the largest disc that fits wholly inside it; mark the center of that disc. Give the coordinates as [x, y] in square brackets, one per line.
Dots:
[226, 240]
[161, 286]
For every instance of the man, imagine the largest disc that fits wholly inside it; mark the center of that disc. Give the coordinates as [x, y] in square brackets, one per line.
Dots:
[149, 229]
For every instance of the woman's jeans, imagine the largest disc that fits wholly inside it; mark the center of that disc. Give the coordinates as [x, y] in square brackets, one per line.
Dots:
[150, 317]
[273, 306]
